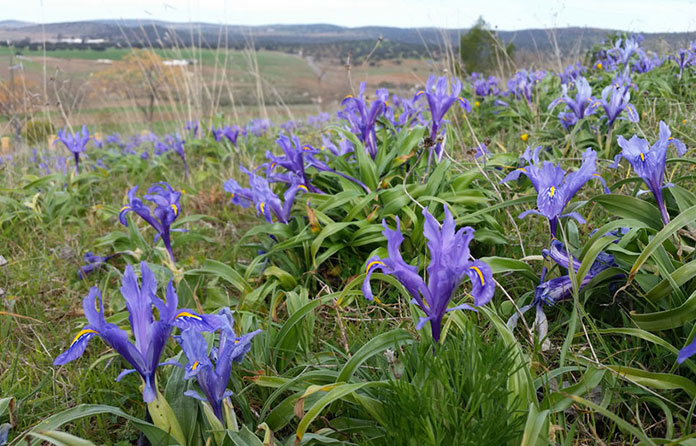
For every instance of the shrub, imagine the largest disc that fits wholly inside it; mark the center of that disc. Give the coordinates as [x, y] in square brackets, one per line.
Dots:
[37, 131]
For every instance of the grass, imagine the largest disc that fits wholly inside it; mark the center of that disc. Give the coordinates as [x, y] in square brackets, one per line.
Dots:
[607, 377]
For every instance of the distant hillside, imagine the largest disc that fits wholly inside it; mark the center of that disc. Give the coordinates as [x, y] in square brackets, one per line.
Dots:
[14, 24]
[314, 38]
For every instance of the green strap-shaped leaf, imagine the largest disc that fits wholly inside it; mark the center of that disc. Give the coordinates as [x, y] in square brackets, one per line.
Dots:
[680, 276]
[559, 401]
[664, 320]
[680, 221]
[472, 217]
[376, 345]
[61, 438]
[224, 272]
[152, 432]
[296, 317]
[537, 420]
[244, 437]
[662, 381]
[335, 394]
[630, 207]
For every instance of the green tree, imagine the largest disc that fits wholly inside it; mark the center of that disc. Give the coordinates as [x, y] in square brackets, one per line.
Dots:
[481, 50]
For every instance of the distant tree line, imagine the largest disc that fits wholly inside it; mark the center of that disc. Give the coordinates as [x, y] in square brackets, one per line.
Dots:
[356, 50]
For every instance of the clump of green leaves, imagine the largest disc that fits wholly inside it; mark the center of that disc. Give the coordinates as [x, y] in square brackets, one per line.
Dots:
[453, 393]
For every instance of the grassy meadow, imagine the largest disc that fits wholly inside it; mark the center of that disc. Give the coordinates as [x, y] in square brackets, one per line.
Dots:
[380, 325]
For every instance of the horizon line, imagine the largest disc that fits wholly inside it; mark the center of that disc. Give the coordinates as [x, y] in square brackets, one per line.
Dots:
[173, 22]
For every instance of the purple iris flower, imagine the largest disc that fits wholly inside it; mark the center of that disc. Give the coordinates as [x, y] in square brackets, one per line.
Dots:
[93, 262]
[362, 119]
[241, 196]
[177, 143]
[605, 61]
[166, 210]
[172, 142]
[75, 142]
[290, 126]
[554, 188]
[212, 371]
[449, 263]
[522, 83]
[649, 161]
[59, 164]
[684, 58]
[482, 152]
[150, 336]
[192, 127]
[297, 159]
[439, 102]
[411, 113]
[619, 101]
[570, 73]
[114, 138]
[319, 120]
[625, 48]
[266, 201]
[293, 160]
[257, 127]
[552, 291]
[230, 132]
[645, 63]
[484, 86]
[623, 81]
[580, 107]
[161, 147]
[389, 113]
[344, 146]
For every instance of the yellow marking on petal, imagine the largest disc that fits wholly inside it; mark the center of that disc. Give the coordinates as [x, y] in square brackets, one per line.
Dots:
[232, 194]
[420, 93]
[262, 205]
[670, 138]
[124, 208]
[273, 165]
[195, 366]
[480, 274]
[522, 169]
[176, 209]
[187, 314]
[306, 147]
[386, 103]
[597, 175]
[552, 191]
[349, 96]
[80, 334]
[302, 186]
[642, 157]
[236, 341]
[371, 264]
[599, 65]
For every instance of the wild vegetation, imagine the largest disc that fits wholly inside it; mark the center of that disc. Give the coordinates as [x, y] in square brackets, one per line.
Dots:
[477, 262]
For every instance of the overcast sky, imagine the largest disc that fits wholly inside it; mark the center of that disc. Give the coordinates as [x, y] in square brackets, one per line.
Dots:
[628, 15]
